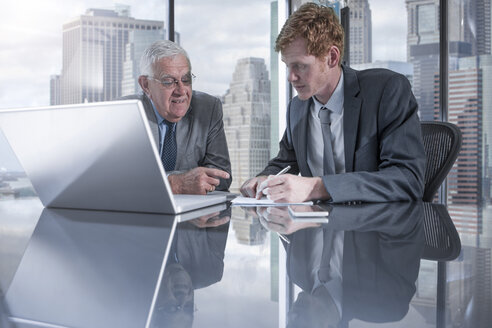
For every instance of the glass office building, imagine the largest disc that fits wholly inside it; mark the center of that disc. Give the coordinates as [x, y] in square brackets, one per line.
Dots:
[99, 47]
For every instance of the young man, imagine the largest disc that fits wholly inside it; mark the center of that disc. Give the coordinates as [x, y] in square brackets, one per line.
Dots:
[352, 135]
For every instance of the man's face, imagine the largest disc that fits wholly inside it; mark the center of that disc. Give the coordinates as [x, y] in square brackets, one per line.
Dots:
[309, 75]
[172, 102]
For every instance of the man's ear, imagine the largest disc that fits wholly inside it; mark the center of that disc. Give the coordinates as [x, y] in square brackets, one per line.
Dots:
[144, 84]
[333, 57]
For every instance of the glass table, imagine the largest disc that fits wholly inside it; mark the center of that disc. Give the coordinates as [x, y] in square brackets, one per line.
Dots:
[373, 265]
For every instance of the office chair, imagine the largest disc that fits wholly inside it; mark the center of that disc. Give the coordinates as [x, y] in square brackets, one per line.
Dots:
[442, 143]
[442, 244]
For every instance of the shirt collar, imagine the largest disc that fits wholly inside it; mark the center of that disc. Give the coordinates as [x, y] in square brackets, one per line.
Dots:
[158, 116]
[335, 103]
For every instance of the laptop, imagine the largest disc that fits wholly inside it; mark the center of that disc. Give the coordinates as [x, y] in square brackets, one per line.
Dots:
[98, 156]
[90, 269]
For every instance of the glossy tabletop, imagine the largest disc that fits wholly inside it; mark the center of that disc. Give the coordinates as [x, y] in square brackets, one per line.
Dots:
[374, 265]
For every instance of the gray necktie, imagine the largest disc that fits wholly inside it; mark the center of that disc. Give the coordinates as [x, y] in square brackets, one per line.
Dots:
[328, 161]
[324, 269]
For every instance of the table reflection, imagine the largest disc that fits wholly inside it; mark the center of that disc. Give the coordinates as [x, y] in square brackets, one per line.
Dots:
[102, 269]
[110, 269]
[196, 260]
[362, 265]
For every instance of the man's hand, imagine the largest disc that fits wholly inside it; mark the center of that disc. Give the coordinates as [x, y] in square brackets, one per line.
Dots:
[249, 188]
[289, 188]
[199, 180]
[277, 219]
[211, 220]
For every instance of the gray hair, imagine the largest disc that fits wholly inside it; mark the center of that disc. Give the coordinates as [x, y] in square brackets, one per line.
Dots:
[158, 50]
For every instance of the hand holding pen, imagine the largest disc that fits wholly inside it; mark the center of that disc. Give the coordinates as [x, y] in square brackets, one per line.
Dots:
[264, 184]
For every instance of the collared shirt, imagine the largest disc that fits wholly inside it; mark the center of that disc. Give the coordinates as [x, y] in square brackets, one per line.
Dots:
[315, 135]
[162, 127]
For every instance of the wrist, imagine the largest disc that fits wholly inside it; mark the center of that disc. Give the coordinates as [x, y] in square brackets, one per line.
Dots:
[319, 191]
[174, 183]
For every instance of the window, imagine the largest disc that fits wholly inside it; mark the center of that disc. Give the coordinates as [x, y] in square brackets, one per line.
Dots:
[67, 56]
[229, 44]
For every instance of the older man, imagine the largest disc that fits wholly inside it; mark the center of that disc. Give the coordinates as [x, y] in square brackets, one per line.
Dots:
[187, 125]
[352, 135]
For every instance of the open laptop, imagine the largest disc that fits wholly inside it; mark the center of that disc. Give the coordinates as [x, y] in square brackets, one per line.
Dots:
[98, 156]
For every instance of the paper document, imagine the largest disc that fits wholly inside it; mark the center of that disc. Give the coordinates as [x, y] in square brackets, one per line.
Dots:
[249, 201]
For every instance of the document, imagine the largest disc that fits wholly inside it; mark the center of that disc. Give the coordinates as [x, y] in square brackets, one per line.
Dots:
[249, 201]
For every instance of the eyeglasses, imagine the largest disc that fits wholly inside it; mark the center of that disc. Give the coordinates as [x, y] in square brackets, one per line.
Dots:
[171, 82]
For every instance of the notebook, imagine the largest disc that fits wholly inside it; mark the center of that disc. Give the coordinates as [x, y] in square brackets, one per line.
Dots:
[99, 156]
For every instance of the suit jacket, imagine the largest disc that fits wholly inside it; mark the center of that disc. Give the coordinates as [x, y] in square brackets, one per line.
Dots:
[201, 251]
[383, 244]
[200, 135]
[384, 153]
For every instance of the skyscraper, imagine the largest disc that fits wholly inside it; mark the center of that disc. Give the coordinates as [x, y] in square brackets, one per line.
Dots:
[247, 119]
[423, 46]
[55, 96]
[138, 41]
[360, 32]
[483, 13]
[465, 179]
[94, 47]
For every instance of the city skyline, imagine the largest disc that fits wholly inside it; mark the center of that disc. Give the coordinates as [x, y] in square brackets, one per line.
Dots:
[39, 29]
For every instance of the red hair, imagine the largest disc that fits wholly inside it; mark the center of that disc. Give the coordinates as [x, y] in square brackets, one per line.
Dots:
[318, 25]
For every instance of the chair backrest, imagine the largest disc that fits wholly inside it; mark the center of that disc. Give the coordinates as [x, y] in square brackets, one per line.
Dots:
[442, 241]
[442, 143]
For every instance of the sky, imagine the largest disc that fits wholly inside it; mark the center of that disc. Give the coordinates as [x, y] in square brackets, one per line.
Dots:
[216, 33]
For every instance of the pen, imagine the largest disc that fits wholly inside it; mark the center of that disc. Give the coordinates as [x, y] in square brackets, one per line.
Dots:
[283, 238]
[284, 170]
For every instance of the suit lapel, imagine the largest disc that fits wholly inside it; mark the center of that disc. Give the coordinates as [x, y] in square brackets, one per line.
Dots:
[182, 135]
[352, 107]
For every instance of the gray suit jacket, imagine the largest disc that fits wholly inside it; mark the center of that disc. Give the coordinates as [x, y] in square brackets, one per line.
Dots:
[384, 153]
[200, 135]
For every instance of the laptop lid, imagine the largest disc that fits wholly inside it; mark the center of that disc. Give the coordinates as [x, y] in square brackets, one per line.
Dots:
[99, 156]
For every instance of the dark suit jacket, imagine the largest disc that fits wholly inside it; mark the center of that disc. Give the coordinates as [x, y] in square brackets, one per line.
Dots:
[200, 135]
[201, 251]
[384, 153]
[383, 244]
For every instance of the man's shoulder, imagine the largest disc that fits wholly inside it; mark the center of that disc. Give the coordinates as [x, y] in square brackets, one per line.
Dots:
[203, 104]
[372, 74]
[200, 96]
